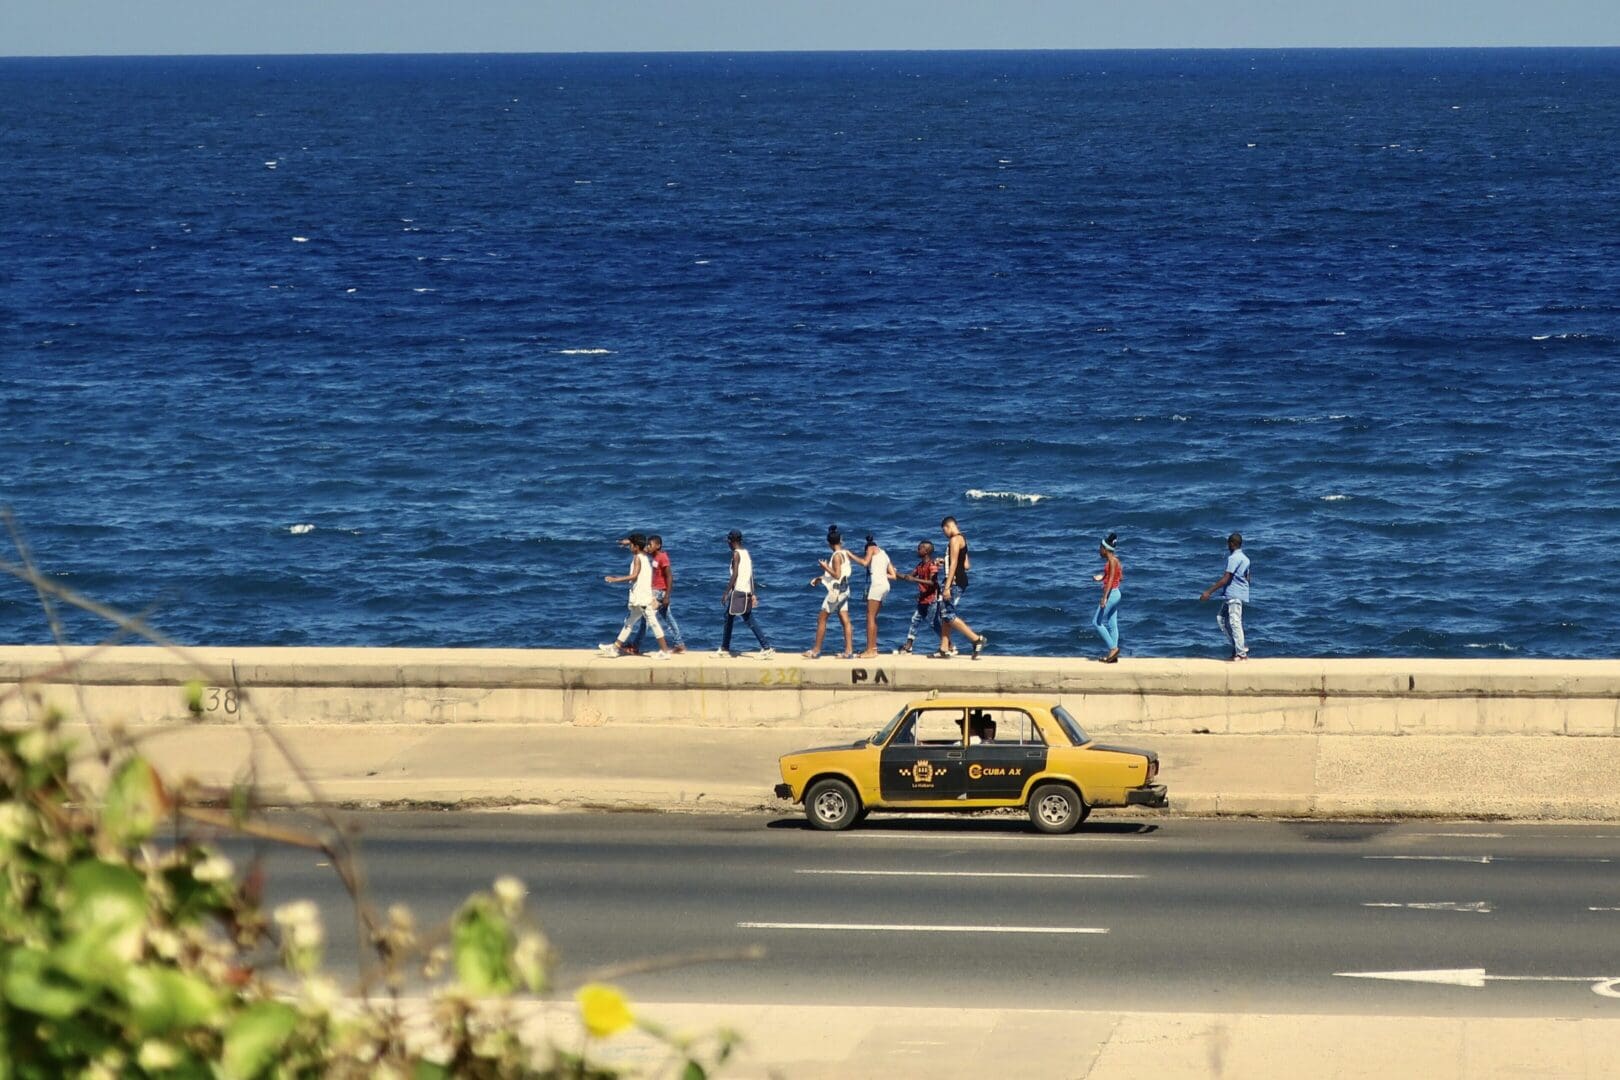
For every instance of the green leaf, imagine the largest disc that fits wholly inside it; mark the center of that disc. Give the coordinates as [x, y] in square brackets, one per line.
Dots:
[430, 1070]
[194, 697]
[30, 984]
[255, 1038]
[162, 999]
[694, 1071]
[135, 802]
[481, 942]
[106, 905]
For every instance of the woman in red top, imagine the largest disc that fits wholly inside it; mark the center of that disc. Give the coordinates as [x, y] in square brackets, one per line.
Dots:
[1106, 621]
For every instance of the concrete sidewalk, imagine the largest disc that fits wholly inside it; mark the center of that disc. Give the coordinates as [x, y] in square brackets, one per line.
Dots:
[844, 1043]
[703, 768]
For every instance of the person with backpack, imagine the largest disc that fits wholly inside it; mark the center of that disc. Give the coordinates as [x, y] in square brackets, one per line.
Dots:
[740, 599]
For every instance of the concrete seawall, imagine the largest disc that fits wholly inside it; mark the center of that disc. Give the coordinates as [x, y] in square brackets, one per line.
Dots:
[1433, 737]
[366, 686]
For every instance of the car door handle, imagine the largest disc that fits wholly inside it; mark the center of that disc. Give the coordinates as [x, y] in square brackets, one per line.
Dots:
[954, 755]
[1032, 753]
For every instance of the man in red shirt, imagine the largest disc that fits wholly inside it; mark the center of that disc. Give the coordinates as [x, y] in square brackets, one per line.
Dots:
[663, 582]
[927, 578]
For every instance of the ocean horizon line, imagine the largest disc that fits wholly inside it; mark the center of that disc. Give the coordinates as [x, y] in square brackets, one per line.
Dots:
[1029, 51]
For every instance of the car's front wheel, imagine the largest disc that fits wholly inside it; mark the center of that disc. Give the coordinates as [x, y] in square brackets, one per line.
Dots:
[1056, 808]
[832, 805]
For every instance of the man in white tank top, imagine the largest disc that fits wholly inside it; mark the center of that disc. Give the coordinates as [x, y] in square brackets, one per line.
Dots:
[740, 599]
[643, 601]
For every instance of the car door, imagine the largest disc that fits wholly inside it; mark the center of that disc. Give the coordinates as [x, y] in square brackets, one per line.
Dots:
[925, 759]
[998, 769]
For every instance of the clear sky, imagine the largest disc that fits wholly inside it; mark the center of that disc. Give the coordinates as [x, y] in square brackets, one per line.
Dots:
[78, 27]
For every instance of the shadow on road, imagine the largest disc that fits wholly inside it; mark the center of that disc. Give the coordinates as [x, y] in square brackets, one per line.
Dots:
[1003, 825]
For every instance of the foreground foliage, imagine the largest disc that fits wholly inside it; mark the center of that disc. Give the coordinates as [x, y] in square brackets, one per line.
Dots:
[123, 956]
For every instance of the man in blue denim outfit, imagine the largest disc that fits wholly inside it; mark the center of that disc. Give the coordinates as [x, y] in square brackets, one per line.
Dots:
[1234, 590]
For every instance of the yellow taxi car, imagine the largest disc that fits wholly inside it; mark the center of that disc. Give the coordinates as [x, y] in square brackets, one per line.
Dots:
[972, 753]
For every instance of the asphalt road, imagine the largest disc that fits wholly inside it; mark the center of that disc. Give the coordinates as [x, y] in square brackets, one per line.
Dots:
[1129, 913]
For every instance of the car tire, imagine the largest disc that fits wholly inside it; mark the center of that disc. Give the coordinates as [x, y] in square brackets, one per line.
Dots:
[832, 806]
[1056, 809]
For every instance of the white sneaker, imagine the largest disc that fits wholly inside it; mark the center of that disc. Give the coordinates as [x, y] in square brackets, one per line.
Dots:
[726, 654]
[610, 649]
[659, 655]
[763, 654]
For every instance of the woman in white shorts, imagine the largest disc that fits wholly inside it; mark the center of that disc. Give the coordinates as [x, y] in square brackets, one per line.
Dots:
[879, 572]
[834, 577]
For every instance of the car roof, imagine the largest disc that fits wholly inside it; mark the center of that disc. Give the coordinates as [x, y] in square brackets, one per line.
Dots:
[981, 701]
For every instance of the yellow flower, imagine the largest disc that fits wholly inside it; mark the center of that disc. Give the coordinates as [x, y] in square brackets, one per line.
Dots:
[604, 1009]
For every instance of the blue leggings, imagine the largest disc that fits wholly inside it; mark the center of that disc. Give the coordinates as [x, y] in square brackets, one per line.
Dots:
[1106, 621]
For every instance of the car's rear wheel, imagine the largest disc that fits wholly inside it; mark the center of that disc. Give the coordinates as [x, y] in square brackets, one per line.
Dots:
[1056, 808]
[832, 805]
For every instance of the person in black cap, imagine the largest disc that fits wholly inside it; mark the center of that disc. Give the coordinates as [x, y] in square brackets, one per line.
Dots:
[740, 599]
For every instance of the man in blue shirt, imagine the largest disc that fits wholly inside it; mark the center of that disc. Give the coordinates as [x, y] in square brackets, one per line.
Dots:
[1234, 590]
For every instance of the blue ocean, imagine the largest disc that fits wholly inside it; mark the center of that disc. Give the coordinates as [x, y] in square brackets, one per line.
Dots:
[391, 350]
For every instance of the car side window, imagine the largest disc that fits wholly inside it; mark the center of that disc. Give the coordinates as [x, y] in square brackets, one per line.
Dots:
[1015, 727]
[935, 727]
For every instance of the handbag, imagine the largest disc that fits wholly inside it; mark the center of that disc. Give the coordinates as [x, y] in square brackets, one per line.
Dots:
[737, 603]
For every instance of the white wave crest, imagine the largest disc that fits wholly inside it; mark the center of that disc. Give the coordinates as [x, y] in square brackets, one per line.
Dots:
[1335, 498]
[584, 352]
[1019, 497]
[300, 239]
[301, 529]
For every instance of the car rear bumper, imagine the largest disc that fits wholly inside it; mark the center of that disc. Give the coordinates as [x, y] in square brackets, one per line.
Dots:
[784, 791]
[1154, 795]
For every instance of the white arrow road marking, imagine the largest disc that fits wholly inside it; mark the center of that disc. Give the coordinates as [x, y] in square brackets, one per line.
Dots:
[1604, 985]
[909, 928]
[966, 874]
[1482, 907]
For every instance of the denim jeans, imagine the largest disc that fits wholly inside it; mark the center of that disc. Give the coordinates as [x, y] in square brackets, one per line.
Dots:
[1230, 620]
[1106, 621]
[748, 620]
[668, 616]
[926, 613]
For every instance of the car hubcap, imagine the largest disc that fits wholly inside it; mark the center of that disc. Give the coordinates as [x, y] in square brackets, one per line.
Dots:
[830, 806]
[1054, 810]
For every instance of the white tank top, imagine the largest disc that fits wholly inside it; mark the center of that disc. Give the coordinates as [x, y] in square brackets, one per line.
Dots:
[838, 582]
[878, 568]
[745, 571]
[641, 590]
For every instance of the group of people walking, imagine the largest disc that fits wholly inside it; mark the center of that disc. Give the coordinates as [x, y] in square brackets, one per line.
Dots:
[942, 584]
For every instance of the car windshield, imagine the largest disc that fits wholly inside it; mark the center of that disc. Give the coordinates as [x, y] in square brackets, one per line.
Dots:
[1071, 726]
[887, 729]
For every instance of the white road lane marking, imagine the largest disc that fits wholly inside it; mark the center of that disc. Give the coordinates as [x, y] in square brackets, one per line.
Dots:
[916, 928]
[1486, 858]
[1603, 909]
[965, 874]
[1475, 978]
[1431, 858]
[1462, 835]
[1481, 907]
